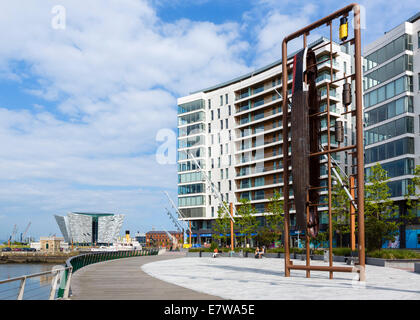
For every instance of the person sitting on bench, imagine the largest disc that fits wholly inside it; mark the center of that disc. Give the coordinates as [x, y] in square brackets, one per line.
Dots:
[215, 253]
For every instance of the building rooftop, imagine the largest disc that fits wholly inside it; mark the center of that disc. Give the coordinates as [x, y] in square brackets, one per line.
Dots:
[260, 70]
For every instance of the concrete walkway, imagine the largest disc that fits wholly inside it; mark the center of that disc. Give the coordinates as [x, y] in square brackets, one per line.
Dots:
[254, 279]
[123, 279]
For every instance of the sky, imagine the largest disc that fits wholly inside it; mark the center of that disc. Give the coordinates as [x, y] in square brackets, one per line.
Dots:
[84, 94]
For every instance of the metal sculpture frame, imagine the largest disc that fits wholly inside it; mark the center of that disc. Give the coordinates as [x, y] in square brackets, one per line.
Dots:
[358, 154]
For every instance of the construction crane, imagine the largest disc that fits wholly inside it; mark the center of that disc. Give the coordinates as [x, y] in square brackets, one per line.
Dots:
[12, 235]
[24, 233]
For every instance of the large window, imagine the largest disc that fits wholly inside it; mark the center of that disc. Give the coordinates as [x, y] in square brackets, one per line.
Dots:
[191, 188]
[190, 201]
[190, 177]
[191, 118]
[399, 188]
[389, 110]
[191, 142]
[388, 71]
[385, 53]
[191, 106]
[390, 150]
[190, 165]
[390, 130]
[394, 88]
[190, 130]
[396, 168]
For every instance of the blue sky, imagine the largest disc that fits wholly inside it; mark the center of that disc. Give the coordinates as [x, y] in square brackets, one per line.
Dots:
[80, 107]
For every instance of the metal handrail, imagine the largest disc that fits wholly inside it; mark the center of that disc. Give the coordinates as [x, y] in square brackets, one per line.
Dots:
[60, 284]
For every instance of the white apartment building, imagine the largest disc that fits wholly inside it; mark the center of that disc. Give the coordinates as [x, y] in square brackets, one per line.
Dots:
[234, 130]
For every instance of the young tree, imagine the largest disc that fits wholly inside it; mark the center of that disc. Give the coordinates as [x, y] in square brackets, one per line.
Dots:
[340, 209]
[412, 198]
[221, 225]
[380, 213]
[274, 221]
[247, 222]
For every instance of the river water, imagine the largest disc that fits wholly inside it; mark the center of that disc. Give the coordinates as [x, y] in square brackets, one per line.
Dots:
[35, 289]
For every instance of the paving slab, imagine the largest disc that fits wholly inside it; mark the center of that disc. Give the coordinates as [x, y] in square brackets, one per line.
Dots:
[254, 279]
[123, 279]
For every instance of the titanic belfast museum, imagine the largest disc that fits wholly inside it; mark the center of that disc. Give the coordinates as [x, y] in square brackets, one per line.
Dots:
[95, 228]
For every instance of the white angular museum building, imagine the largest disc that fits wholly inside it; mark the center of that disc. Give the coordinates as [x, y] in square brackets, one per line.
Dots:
[93, 228]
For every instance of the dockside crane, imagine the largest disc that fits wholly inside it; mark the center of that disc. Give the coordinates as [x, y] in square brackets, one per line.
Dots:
[12, 235]
[24, 233]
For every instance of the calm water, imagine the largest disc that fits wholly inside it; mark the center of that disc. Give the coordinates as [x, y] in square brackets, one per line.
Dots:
[35, 289]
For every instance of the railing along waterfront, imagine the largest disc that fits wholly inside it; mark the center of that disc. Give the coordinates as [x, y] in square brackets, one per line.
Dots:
[23, 287]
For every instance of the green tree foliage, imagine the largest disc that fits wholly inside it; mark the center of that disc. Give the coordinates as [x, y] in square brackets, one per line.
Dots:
[221, 225]
[380, 213]
[246, 222]
[412, 197]
[340, 209]
[274, 222]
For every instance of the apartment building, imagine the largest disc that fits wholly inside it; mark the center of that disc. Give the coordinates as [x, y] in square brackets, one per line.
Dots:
[234, 130]
[391, 83]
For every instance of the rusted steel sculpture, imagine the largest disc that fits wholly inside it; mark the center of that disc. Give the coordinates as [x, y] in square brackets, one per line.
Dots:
[305, 131]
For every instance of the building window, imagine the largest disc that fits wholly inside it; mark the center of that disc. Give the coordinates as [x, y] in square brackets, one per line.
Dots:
[226, 99]
[212, 115]
[227, 173]
[221, 124]
[209, 151]
[212, 211]
[212, 139]
[418, 39]
[221, 173]
[221, 149]
[227, 148]
[218, 162]
[221, 100]
[230, 185]
[227, 197]
[218, 113]
[218, 185]
[230, 135]
[212, 163]
[230, 110]
[227, 122]
[209, 127]
[209, 103]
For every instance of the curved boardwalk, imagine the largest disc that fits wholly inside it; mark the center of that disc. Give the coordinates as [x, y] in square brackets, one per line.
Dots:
[123, 279]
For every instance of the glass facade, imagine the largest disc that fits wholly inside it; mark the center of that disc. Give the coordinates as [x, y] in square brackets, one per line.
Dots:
[388, 71]
[385, 53]
[389, 150]
[396, 168]
[197, 153]
[190, 130]
[191, 118]
[390, 130]
[191, 188]
[190, 165]
[388, 91]
[398, 188]
[389, 110]
[190, 201]
[191, 142]
[191, 106]
[190, 177]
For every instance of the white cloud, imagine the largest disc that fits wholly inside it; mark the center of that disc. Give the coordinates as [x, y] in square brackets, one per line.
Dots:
[113, 75]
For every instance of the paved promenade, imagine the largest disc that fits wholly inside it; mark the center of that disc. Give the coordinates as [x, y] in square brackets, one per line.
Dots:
[124, 279]
[253, 279]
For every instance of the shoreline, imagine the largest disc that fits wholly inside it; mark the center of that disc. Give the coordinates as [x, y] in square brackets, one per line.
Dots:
[35, 257]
